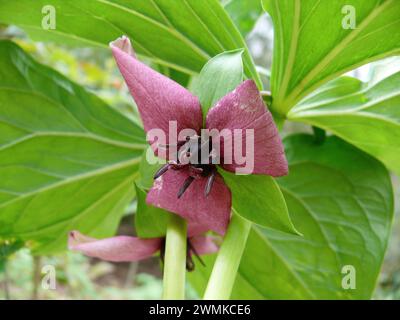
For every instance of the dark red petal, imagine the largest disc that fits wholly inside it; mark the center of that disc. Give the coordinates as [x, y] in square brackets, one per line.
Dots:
[244, 108]
[159, 99]
[212, 212]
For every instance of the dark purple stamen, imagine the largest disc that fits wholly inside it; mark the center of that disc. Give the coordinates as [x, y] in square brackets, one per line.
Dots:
[185, 185]
[189, 260]
[162, 251]
[192, 148]
[210, 182]
[161, 171]
[189, 263]
[190, 249]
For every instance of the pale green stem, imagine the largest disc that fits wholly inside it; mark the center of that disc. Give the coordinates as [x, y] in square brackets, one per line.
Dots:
[175, 259]
[227, 263]
[36, 277]
[6, 281]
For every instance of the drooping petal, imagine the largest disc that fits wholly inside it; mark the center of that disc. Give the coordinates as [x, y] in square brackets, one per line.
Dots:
[159, 99]
[243, 109]
[203, 244]
[212, 212]
[118, 249]
[195, 228]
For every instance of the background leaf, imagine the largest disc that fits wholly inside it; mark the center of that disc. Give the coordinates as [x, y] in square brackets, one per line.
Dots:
[365, 114]
[6, 250]
[221, 75]
[178, 76]
[341, 200]
[67, 160]
[258, 198]
[308, 51]
[244, 13]
[182, 34]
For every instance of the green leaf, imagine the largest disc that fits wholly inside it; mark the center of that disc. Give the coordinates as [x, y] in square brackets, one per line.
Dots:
[150, 222]
[364, 114]
[258, 198]
[182, 34]
[341, 200]
[244, 13]
[312, 47]
[149, 165]
[178, 76]
[67, 160]
[221, 75]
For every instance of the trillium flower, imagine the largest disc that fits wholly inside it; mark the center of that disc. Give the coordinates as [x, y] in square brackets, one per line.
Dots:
[197, 192]
[126, 248]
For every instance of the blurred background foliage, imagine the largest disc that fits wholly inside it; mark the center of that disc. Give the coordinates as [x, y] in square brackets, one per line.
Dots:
[80, 277]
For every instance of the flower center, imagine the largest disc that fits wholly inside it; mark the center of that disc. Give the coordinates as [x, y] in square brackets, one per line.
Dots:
[196, 154]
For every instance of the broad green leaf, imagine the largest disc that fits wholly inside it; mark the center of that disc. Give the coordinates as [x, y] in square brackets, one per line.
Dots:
[341, 200]
[244, 13]
[182, 34]
[366, 115]
[150, 222]
[258, 198]
[311, 45]
[221, 75]
[67, 160]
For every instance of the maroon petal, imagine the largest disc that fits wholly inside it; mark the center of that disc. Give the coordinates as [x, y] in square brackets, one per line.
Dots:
[118, 249]
[159, 99]
[244, 108]
[203, 244]
[195, 228]
[212, 212]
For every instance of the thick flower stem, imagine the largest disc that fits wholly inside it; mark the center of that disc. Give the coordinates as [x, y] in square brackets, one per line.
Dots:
[227, 263]
[175, 259]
